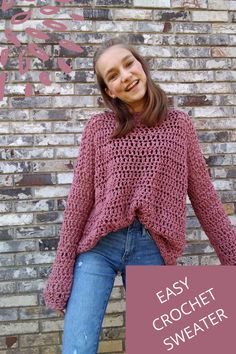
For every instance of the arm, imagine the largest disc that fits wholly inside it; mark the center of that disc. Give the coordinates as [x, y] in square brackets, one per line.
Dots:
[206, 202]
[78, 206]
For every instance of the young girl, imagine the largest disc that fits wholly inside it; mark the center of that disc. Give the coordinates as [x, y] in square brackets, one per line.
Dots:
[127, 203]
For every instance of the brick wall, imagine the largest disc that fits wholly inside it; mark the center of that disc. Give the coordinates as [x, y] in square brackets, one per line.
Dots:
[190, 46]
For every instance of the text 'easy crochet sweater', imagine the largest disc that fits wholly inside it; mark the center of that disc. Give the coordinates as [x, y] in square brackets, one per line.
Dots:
[146, 174]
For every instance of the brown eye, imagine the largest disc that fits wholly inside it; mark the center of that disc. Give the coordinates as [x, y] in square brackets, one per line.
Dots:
[129, 63]
[112, 77]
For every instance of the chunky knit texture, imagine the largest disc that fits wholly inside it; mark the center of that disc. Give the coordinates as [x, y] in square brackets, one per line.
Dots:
[146, 174]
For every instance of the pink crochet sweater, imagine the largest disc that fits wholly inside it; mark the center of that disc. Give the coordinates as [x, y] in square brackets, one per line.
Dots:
[148, 174]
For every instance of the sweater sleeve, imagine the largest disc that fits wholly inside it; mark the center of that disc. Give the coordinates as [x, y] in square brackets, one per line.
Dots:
[78, 206]
[206, 202]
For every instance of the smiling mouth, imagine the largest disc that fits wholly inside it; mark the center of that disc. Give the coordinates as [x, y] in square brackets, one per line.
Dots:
[134, 83]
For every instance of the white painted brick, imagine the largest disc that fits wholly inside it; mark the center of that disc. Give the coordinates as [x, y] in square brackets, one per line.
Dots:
[64, 178]
[49, 192]
[110, 26]
[19, 300]
[16, 219]
[66, 152]
[222, 5]
[151, 3]
[78, 101]
[212, 112]
[202, 4]
[5, 128]
[127, 14]
[221, 185]
[210, 16]
[216, 123]
[32, 127]
[224, 28]
[53, 89]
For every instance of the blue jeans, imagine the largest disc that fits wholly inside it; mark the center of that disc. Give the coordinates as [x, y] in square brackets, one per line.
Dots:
[94, 275]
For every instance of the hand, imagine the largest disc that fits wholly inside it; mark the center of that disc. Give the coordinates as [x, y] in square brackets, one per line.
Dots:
[61, 313]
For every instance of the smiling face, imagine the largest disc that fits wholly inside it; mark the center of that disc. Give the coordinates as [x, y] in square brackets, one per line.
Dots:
[124, 76]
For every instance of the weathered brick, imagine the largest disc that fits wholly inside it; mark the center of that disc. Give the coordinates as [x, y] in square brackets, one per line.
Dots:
[201, 4]
[192, 27]
[201, 100]
[113, 321]
[50, 192]
[5, 128]
[152, 3]
[113, 2]
[18, 300]
[224, 28]
[110, 346]
[66, 152]
[30, 102]
[51, 325]
[131, 14]
[113, 333]
[189, 261]
[116, 306]
[22, 351]
[35, 313]
[213, 136]
[209, 260]
[34, 179]
[222, 5]
[35, 205]
[35, 257]
[6, 181]
[97, 14]
[214, 123]
[19, 327]
[193, 52]
[40, 339]
[39, 231]
[170, 15]
[16, 140]
[6, 234]
[10, 167]
[53, 139]
[110, 26]
[51, 114]
[6, 260]
[198, 248]
[171, 63]
[17, 273]
[7, 287]
[51, 349]
[26, 153]
[48, 245]
[48, 217]
[8, 314]
[29, 286]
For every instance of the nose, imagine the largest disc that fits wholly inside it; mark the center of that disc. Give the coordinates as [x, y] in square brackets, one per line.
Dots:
[125, 75]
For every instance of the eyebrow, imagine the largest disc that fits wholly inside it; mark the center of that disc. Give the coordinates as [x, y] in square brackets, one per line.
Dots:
[124, 59]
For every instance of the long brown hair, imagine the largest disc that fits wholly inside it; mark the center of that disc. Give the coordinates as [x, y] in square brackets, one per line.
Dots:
[155, 107]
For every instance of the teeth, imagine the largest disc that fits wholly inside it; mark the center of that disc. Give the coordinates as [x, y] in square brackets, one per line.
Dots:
[132, 85]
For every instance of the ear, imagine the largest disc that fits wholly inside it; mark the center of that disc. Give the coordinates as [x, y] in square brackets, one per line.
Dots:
[109, 93]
